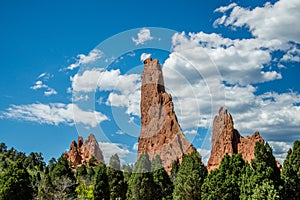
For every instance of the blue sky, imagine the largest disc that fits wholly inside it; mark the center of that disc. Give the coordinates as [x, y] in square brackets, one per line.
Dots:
[71, 68]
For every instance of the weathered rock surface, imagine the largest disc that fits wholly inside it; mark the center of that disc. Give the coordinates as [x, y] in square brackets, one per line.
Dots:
[227, 140]
[82, 151]
[160, 132]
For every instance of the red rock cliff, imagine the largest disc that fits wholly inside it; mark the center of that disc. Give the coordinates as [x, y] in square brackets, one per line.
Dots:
[160, 132]
[82, 152]
[227, 140]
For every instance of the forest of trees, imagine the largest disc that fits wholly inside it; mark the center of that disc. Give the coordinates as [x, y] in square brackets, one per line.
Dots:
[28, 177]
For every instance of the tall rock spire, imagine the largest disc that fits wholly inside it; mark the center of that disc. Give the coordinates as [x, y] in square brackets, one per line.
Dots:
[160, 132]
[227, 140]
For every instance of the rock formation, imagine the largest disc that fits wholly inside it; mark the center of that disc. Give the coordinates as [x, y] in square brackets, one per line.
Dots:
[227, 140]
[81, 152]
[160, 132]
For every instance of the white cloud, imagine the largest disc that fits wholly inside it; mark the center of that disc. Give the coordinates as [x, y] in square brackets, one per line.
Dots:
[50, 91]
[292, 55]
[131, 120]
[144, 56]
[190, 132]
[280, 149]
[54, 114]
[232, 58]
[135, 146]
[45, 76]
[39, 85]
[80, 97]
[205, 153]
[94, 55]
[110, 149]
[225, 8]
[278, 21]
[143, 36]
[97, 79]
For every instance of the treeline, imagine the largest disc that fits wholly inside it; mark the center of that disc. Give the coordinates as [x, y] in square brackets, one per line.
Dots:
[28, 177]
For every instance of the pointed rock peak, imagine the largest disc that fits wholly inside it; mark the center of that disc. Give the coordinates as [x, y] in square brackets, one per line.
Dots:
[83, 151]
[91, 138]
[227, 140]
[222, 110]
[160, 131]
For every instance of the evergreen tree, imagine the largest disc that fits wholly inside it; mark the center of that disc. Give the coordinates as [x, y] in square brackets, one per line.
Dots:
[15, 183]
[116, 181]
[141, 184]
[190, 177]
[101, 185]
[127, 171]
[291, 173]
[264, 174]
[163, 184]
[223, 183]
[63, 179]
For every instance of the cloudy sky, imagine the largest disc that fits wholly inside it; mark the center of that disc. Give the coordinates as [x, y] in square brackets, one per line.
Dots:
[72, 68]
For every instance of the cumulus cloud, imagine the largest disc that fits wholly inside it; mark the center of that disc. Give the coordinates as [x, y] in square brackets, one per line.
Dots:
[280, 149]
[143, 36]
[110, 149]
[82, 59]
[104, 80]
[144, 56]
[233, 58]
[272, 21]
[54, 114]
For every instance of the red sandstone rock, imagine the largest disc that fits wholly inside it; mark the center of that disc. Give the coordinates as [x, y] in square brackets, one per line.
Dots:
[227, 140]
[160, 132]
[82, 152]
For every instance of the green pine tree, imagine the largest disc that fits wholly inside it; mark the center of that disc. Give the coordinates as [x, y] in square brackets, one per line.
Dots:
[262, 176]
[163, 184]
[15, 183]
[291, 173]
[141, 184]
[116, 181]
[223, 183]
[101, 185]
[190, 177]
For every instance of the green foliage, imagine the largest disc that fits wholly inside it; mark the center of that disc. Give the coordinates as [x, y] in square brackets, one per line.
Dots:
[223, 183]
[141, 184]
[291, 173]
[190, 177]
[127, 171]
[266, 190]
[85, 191]
[101, 186]
[117, 185]
[163, 184]
[263, 179]
[15, 183]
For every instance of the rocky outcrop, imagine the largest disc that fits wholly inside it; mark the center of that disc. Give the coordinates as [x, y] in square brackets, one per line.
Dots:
[227, 140]
[160, 132]
[82, 151]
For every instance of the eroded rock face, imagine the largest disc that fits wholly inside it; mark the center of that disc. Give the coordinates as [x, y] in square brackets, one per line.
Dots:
[160, 132]
[82, 151]
[227, 140]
